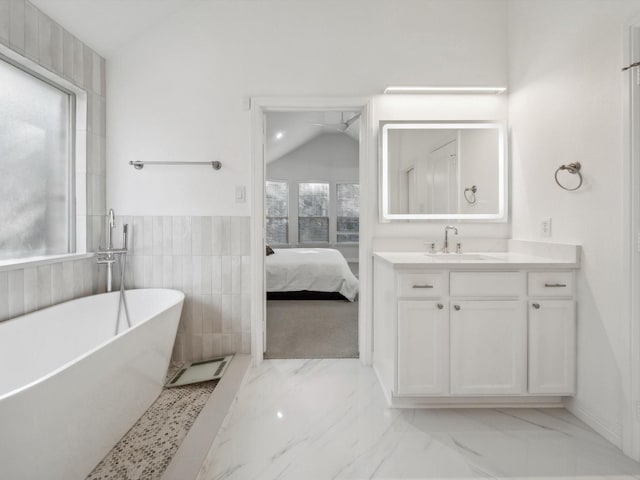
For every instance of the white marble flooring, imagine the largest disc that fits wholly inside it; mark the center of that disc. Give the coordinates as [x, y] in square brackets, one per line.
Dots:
[327, 419]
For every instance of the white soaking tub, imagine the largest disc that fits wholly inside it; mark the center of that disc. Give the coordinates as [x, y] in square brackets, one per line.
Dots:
[70, 388]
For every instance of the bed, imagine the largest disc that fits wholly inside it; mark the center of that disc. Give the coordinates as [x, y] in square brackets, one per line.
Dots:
[310, 270]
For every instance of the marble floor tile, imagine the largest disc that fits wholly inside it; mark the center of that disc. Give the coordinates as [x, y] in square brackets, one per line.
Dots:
[327, 419]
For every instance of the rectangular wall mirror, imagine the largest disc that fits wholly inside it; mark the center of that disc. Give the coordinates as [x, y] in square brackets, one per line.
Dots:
[443, 170]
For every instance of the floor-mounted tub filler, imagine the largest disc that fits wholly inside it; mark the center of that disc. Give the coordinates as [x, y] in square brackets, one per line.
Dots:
[70, 389]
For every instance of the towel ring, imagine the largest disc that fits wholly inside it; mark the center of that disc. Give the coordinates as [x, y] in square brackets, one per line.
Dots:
[473, 189]
[572, 168]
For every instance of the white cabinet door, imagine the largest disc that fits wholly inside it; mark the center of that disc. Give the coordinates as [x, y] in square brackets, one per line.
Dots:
[488, 347]
[423, 348]
[552, 347]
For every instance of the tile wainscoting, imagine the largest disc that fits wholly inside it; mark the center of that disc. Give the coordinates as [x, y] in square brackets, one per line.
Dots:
[208, 259]
[24, 290]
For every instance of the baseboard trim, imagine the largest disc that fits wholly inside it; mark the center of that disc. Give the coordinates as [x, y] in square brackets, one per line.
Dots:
[387, 395]
[477, 402]
[610, 431]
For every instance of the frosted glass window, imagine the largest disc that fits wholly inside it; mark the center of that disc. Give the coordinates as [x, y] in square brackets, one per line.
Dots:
[313, 213]
[277, 212]
[348, 212]
[35, 166]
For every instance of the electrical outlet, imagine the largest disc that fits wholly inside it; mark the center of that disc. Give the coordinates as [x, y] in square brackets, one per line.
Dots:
[241, 194]
[545, 227]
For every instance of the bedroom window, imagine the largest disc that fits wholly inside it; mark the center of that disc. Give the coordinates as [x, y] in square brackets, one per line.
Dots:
[347, 212]
[37, 126]
[313, 213]
[277, 215]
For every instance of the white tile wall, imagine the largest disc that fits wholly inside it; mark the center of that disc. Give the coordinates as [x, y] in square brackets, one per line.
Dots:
[31, 33]
[27, 289]
[208, 259]
[17, 25]
[5, 20]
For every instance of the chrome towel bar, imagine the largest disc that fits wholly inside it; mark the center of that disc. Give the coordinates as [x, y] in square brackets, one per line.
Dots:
[137, 164]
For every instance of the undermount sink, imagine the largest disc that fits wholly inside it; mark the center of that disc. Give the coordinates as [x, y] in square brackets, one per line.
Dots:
[459, 257]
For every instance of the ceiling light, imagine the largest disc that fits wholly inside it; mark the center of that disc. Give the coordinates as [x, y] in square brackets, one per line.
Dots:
[399, 89]
[279, 135]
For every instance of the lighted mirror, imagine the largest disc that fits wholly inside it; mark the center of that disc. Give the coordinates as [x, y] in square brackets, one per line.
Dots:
[440, 171]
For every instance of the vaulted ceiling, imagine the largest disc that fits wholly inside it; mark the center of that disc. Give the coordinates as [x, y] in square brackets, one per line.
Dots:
[108, 25]
[287, 131]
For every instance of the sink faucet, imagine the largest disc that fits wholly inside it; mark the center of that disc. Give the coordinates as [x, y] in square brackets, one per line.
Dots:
[445, 248]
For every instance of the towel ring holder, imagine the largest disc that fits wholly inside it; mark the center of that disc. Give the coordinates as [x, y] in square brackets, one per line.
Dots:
[470, 197]
[573, 168]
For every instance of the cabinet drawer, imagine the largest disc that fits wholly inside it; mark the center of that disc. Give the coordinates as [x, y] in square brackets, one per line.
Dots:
[551, 284]
[422, 285]
[487, 284]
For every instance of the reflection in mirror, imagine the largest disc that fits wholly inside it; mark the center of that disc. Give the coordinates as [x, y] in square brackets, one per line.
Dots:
[451, 170]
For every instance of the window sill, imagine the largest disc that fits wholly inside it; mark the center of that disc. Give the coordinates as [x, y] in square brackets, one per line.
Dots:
[18, 263]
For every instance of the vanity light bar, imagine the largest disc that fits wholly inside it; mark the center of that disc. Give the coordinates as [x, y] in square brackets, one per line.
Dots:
[492, 90]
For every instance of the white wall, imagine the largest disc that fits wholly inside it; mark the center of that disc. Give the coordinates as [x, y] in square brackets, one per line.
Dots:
[176, 93]
[566, 106]
[327, 158]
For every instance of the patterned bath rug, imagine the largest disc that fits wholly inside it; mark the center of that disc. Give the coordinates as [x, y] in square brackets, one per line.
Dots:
[146, 450]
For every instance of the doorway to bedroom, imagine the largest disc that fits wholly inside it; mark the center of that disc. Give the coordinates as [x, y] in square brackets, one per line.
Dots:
[312, 210]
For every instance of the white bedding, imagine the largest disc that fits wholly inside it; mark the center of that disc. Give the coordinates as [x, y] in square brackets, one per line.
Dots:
[312, 269]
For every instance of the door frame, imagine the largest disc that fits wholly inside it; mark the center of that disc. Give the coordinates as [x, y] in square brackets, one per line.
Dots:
[631, 238]
[259, 107]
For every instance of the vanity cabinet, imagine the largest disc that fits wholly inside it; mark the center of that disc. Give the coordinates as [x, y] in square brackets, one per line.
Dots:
[552, 346]
[456, 336]
[423, 346]
[488, 347]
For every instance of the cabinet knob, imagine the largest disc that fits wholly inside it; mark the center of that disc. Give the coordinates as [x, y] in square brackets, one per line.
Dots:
[535, 305]
[440, 306]
[457, 307]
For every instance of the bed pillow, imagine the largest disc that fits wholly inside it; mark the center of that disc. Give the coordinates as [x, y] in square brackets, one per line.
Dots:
[269, 250]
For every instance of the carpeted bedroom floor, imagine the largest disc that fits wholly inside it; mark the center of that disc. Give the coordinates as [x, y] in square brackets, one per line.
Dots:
[312, 329]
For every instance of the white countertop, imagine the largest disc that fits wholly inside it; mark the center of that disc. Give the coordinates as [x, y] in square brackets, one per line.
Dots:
[473, 259]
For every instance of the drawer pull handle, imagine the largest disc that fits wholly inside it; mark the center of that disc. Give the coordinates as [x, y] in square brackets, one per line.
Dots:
[555, 285]
[536, 305]
[457, 307]
[440, 306]
[422, 286]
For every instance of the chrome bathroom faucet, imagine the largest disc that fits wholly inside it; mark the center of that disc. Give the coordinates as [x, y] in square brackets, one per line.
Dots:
[108, 255]
[111, 224]
[445, 248]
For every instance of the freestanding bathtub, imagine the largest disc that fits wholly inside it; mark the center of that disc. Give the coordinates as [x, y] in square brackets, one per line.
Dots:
[70, 388]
